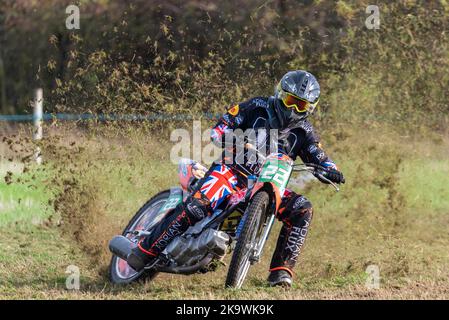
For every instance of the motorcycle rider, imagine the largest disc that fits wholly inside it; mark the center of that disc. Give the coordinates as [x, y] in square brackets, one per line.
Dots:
[296, 96]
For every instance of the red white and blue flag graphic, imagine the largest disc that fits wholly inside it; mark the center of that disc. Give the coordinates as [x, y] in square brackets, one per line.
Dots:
[218, 132]
[219, 184]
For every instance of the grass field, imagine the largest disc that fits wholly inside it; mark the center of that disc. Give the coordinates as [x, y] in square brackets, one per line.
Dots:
[392, 213]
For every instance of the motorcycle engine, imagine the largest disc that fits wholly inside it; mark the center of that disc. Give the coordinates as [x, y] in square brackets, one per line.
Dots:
[189, 248]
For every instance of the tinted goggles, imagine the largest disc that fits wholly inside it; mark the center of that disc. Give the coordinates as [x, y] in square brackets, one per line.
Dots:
[299, 105]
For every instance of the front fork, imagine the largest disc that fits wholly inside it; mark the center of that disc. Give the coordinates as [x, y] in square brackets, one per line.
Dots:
[263, 239]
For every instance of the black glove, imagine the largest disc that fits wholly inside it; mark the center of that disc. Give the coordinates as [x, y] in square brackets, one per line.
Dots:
[330, 174]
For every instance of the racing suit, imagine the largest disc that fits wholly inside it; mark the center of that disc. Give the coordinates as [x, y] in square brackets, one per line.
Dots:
[228, 176]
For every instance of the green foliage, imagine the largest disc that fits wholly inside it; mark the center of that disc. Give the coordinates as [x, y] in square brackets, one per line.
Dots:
[188, 57]
[395, 75]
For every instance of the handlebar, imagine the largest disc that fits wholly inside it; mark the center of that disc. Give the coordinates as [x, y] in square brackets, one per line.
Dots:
[313, 169]
[308, 167]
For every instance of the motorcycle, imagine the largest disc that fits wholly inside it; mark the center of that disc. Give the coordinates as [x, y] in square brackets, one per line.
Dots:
[241, 227]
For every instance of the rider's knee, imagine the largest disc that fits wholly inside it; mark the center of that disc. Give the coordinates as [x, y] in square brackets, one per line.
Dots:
[299, 208]
[197, 208]
[300, 203]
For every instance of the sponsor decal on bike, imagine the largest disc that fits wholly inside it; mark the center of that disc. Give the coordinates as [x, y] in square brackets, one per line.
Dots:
[231, 222]
[171, 203]
[219, 184]
[277, 170]
[237, 197]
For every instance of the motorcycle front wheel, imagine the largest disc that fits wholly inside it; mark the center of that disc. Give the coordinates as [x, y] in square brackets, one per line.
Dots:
[248, 239]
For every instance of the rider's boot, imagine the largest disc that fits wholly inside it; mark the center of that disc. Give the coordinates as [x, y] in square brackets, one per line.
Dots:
[280, 277]
[138, 259]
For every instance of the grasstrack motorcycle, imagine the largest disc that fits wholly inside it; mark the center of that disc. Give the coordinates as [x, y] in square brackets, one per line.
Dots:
[242, 227]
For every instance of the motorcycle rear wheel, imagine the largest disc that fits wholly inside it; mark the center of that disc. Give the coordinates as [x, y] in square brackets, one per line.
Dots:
[146, 217]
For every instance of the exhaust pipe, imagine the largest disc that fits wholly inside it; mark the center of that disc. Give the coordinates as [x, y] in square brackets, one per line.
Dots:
[121, 246]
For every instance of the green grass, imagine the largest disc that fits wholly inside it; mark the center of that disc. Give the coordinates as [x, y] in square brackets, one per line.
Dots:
[398, 224]
[25, 200]
[425, 182]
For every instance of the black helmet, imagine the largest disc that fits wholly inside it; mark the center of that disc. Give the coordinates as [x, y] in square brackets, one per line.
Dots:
[297, 95]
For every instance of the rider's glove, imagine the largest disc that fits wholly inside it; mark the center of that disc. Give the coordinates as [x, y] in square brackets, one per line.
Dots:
[332, 175]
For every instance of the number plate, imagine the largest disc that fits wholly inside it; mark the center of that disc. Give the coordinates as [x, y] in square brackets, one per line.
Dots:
[174, 199]
[277, 169]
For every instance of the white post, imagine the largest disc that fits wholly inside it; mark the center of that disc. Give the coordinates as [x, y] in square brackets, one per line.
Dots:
[37, 117]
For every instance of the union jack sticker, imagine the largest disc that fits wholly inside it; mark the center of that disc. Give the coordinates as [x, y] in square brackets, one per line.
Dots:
[219, 184]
